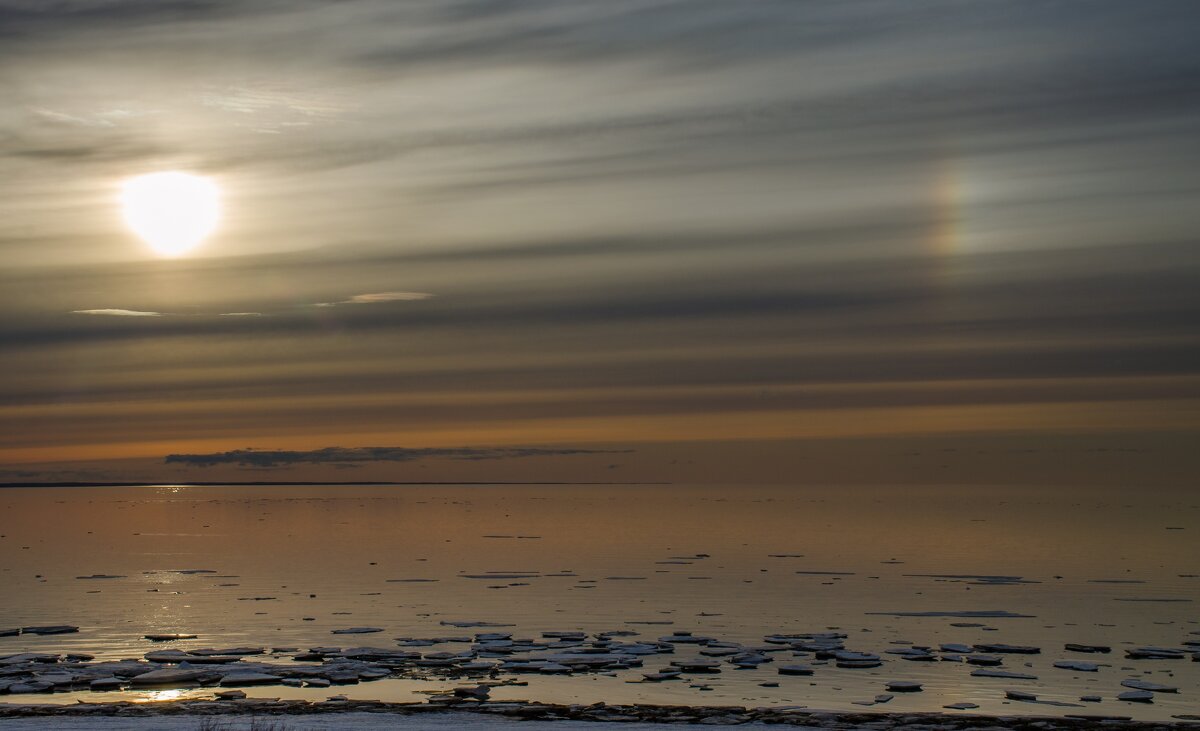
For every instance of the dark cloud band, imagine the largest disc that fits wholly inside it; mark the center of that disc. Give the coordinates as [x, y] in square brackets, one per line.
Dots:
[261, 458]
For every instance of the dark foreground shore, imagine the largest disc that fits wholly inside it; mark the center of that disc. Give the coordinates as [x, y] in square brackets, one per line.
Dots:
[381, 715]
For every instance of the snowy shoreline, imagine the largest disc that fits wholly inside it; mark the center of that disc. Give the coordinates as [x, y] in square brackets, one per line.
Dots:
[365, 715]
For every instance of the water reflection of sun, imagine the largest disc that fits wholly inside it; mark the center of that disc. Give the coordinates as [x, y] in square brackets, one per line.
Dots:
[155, 696]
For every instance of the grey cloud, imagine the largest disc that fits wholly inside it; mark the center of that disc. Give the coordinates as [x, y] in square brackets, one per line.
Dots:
[691, 35]
[99, 145]
[863, 136]
[481, 313]
[850, 125]
[32, 21]
[636, 383]
[115, 312]
[453, 32]
[377, 297]
[96, 120]
[628, 387]
[1102, 290]
[361, 299]
[1096, 86]
[357, 299]
[353, 455]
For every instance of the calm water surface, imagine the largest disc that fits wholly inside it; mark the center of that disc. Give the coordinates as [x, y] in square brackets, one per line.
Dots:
[293, 563]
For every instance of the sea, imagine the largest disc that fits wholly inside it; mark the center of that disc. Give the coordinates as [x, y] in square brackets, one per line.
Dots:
[893, 568]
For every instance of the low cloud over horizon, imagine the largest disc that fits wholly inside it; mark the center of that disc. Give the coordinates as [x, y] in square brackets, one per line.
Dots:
[117, 312]
[345, 456]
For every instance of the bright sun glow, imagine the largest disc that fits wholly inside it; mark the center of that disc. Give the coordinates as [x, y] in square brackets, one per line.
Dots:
[171, 211]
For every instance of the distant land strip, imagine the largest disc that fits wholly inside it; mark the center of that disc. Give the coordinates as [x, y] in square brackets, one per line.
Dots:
[298, 483]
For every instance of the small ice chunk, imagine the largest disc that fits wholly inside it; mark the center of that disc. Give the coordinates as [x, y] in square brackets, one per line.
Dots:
[795, 670]
[480, 692]
[1147, 685]
[1002, 648]
[903, 686]
[243, 678]
[167, 677]
[986, 673]
[1083, 667]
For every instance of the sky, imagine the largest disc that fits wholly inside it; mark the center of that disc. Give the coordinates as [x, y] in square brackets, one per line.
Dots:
[605, 240]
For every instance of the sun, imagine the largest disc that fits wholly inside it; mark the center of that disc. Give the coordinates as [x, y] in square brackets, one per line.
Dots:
[171, 211]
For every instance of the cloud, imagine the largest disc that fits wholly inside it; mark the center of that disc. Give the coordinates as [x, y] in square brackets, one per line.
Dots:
[359, 299]
[349, 456]
[51, 115]
[120, 312]
[116, 312]
[374, 297]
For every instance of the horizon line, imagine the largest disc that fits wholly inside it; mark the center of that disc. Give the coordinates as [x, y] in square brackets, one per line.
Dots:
[261, 483]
